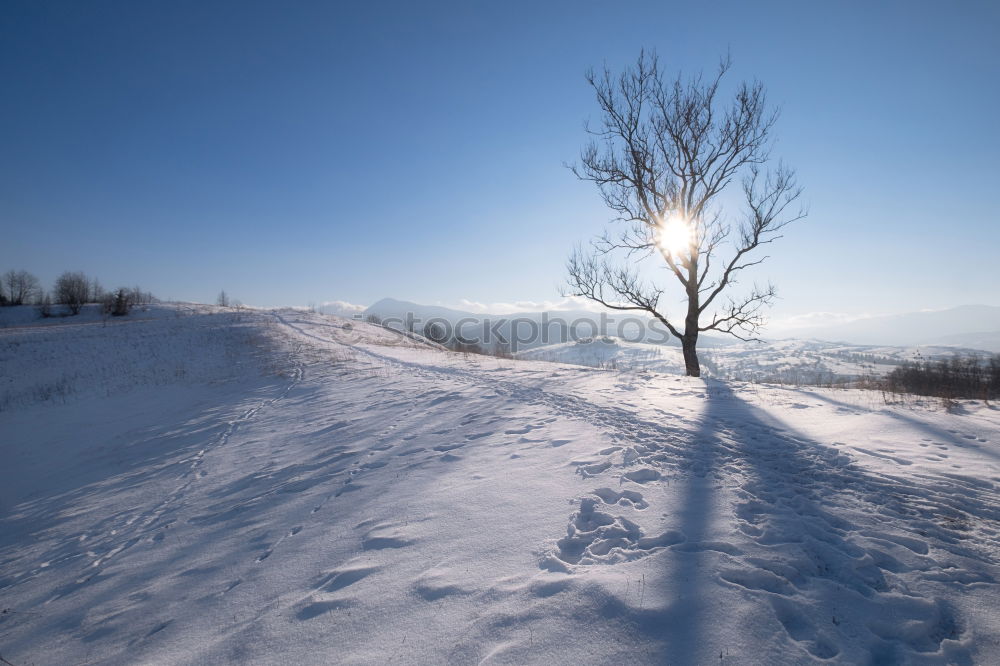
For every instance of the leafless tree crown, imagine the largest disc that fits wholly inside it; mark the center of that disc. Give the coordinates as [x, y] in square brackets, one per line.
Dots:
[72, 290]
[19, 287]
[667, 150]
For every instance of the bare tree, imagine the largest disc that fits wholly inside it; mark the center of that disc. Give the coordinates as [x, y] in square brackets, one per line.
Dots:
[662, 156]
[72, 290]
[96, 291]
[139, 297]
[223, 299]
[19, 287]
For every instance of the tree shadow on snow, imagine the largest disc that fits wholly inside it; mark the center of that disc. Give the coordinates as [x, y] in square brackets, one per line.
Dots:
[844, 558]
[847, 563]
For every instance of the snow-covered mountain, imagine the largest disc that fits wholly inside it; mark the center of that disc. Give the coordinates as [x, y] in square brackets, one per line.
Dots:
[987, 341]
[976, 326]
[194, 485]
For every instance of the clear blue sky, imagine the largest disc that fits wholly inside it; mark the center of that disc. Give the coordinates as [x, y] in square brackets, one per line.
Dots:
[307, 151]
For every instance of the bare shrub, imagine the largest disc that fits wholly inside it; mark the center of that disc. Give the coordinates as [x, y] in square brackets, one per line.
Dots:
[45, 305]
[119, 302]
[72, 290]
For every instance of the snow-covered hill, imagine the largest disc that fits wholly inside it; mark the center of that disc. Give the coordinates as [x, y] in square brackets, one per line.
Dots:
[288, 487]
[611, 353]
[780, 361]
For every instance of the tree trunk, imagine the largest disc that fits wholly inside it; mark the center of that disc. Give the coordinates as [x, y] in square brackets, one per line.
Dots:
[688, 344]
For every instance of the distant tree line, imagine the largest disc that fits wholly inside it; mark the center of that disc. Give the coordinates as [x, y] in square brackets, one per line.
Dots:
[969, 376]
[455, 342]
[869, 358]
[436, 333]
[71, 291]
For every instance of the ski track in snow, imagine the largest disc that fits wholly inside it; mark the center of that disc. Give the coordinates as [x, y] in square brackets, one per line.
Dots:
[852, 562]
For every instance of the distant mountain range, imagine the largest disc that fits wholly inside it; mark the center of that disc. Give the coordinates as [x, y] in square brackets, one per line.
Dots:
[967, 326]
[970, 326]
[526, 330]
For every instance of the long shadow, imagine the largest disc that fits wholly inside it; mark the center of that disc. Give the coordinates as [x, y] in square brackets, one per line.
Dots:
[700, 469]
[838, 552]
[848, 564]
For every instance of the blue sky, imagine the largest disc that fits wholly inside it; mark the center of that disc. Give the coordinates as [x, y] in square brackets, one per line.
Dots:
[311, 151]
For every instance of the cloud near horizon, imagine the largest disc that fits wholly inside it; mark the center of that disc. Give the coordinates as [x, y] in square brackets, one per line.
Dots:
[506, 308]
[814, 319]
[478, 307]
[342, 308]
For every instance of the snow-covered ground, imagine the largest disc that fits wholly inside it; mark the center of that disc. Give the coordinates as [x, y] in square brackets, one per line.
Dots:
[271, 487]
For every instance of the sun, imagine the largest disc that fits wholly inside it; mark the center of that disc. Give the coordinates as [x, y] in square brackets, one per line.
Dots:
[675, 236]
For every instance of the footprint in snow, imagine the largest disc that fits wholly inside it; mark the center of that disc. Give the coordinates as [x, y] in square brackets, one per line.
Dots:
[448, 447]
[444, 398]
[595, 537]
[644, 475]
[438, 584]
[802, 631]
[587, 470]
[385, 537]
[312, 608]
[624, 498]
[522, 430]
[338, 579]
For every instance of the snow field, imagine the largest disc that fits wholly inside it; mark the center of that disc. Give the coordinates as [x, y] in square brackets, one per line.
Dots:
[332, 495]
